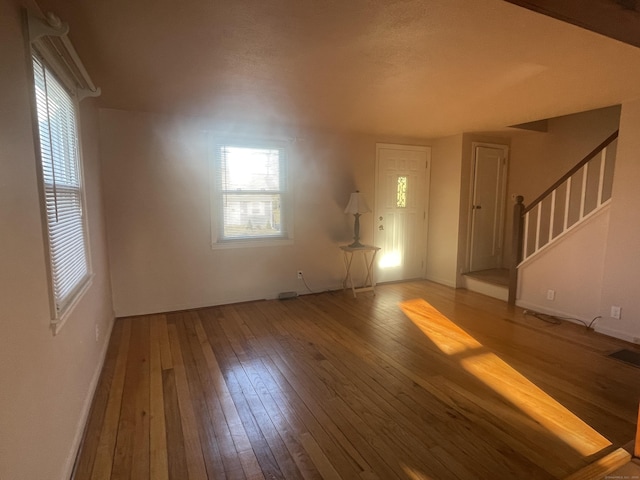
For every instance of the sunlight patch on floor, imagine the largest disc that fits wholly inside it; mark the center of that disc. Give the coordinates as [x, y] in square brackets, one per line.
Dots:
[504, 379]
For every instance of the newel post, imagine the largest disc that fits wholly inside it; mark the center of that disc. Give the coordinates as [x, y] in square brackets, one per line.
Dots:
[516, 248]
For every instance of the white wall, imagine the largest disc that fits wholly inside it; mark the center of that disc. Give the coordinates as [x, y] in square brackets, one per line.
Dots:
[46, 381]
[449, 208]
[540, 158]
[444, 210]
[572, 267]
[156, 174]
[622, 258]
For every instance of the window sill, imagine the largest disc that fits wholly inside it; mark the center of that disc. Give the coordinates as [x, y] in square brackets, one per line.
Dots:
[61, 317]
[252, 243]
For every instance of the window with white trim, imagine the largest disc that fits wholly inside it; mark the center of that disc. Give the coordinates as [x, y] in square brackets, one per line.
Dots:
[62, 188]
[250, 194]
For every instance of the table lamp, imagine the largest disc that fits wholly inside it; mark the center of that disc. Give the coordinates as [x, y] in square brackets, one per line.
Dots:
[357, 206]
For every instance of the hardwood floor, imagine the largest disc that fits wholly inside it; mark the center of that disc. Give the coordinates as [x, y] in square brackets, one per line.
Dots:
[420, 381]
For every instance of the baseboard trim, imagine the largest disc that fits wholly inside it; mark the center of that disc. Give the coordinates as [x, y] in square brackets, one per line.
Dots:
[86, 408]
[214, 302]
[441, 281]
[565, 315]
[617, 334]
[549, 311]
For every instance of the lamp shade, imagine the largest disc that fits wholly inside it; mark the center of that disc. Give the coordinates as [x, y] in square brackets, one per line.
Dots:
[357, 204]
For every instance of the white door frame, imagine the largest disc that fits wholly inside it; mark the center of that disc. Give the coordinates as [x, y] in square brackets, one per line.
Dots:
[505, 170]
[426, 192]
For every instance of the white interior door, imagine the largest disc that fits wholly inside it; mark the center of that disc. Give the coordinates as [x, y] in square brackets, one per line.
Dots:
[487, 209]
[402, 174]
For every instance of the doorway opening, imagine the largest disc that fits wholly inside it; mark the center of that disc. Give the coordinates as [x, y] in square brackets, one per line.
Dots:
[487, 216]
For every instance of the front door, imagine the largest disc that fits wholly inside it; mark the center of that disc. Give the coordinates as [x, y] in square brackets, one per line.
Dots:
[401, 211]
[487, 209]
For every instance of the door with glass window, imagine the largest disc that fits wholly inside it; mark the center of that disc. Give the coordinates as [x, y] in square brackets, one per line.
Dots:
[400, 223]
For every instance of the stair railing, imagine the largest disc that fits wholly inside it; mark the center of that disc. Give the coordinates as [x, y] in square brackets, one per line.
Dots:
[561, 207]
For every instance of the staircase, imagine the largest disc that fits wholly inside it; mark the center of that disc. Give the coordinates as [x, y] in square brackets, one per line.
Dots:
[577, 197]
[572, 200]
[605, 466]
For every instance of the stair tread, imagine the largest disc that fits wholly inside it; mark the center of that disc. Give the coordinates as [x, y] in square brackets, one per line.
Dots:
[602, 467]
[495, 276]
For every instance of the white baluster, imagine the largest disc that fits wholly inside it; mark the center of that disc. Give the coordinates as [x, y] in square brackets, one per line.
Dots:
[565, 224]
[538, 227]
[552, 214]
[603, 160]
[585, 172]
[525, 236]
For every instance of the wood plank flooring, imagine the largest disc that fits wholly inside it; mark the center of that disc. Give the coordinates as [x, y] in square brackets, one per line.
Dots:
[419, 381]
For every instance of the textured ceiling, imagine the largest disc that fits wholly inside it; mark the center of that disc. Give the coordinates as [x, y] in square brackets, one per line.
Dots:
[415, 68]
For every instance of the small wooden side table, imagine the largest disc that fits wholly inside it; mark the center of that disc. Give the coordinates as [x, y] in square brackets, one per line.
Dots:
[349, 253]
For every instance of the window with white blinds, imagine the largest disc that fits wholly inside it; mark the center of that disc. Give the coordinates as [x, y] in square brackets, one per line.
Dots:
[62, 186]
[251, 192]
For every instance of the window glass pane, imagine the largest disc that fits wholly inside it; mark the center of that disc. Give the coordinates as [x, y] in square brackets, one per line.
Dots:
[247, 215]
[250, 185]
[401, 196]
[250, 168]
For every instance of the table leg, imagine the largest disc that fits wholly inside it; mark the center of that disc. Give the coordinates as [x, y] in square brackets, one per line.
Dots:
[348, 278]
[369, 281]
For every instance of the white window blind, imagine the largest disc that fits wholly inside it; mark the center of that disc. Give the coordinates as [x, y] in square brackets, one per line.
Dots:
[251, 192]
[62, 182]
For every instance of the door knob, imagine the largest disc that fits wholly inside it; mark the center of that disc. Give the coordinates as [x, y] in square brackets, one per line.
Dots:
[477, 207]
[381, 227]
[380, 218]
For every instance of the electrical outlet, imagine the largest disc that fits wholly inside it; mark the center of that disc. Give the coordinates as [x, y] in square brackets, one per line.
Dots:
[616, 312]
[551, 294]
[300, 274]
[97, 332]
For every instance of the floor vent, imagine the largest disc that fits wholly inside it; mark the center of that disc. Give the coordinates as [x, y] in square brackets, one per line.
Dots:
[628, 356]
